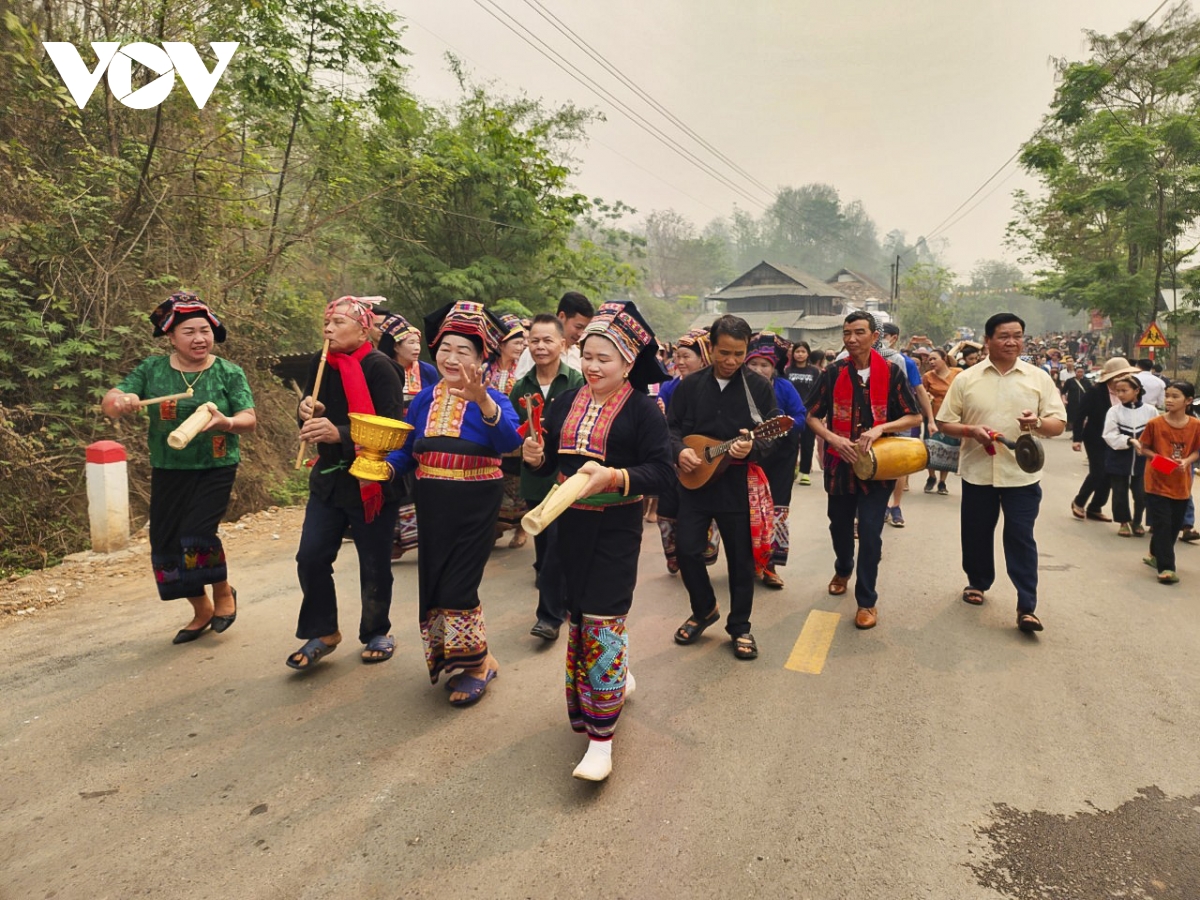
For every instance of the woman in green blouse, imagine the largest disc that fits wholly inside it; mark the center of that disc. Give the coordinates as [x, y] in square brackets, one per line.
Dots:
[189, 488]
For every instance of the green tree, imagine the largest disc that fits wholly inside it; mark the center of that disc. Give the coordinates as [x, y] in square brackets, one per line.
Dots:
[490, 213]
[924, 306]
[1118, 157]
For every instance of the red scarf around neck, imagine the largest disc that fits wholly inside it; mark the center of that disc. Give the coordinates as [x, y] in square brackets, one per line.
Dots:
[843, 395]
[358, 399]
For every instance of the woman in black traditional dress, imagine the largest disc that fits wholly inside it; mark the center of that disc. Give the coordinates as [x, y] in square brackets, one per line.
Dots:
[612, 431]
[461, 428]
[400, 340]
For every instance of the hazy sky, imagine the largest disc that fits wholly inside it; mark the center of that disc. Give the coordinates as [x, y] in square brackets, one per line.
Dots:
[906, 107]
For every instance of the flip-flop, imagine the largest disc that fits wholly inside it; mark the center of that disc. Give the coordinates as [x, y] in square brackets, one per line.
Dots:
[971, 595]
[473, 687]
[690, 630]
[312, 652]
[381, 643]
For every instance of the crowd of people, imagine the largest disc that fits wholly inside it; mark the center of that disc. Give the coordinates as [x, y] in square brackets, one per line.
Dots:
[718, 427]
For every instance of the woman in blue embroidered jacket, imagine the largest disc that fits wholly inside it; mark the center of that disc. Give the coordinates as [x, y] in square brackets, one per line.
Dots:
[460, 430]
[768, 355]
[613, 431]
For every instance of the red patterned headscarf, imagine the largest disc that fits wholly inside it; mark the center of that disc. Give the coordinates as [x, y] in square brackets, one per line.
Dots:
[360, 309]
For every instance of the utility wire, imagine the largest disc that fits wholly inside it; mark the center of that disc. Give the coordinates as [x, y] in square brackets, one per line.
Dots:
[939, 228]
[564, 29]
[521, 31]
[608, 147]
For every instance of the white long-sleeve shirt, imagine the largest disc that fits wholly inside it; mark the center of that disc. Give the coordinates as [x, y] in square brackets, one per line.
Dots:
[1124, 422]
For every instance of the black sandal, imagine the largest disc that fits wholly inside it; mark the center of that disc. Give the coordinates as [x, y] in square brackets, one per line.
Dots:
[971, 595]
[689, 631]
[1028, 622]
[744, 646]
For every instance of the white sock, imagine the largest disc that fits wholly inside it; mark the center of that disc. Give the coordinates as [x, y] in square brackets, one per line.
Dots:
[596, 764]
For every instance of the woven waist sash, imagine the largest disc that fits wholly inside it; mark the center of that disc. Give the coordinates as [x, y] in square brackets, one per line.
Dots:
[458, 467]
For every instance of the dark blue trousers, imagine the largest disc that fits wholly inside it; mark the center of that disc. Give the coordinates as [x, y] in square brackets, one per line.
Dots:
[869, 508]
[320, 541]
[980, 511]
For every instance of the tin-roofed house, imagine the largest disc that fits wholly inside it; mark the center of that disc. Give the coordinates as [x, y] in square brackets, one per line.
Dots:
[785, 300]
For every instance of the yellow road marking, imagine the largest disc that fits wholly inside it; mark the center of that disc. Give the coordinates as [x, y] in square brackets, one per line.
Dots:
[808, 655]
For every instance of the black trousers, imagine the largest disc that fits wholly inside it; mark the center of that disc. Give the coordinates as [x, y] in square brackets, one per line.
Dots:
[870, 509]
[1096, 485]
[551, 582]
[1165, 516]
[1122, 485]
[691, 538]
[320, 541]
[808, 440]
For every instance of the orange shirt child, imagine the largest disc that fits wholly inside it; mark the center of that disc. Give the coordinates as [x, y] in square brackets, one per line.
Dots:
[1175, 444]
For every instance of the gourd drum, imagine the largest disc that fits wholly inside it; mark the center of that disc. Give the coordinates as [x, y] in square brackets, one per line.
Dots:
[892, 457]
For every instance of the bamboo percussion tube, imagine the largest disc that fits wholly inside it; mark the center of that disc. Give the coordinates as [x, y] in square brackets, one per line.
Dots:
[154, 400]
[190, 427]
[316, 390]
[560, 497]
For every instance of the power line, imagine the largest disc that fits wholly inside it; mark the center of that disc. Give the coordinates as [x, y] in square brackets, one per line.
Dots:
[521, 31]
[591, 139]
[596, 55]
[938, 229]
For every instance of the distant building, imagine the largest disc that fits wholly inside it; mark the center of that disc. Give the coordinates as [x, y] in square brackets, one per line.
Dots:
[787, 301]
[864, 293]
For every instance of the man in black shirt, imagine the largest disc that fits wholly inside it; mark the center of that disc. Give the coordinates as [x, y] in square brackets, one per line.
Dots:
[715, 403]
[859, 399]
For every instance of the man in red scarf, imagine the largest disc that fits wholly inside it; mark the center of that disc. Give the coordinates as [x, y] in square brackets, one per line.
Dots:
[858, 400]
[357, 379]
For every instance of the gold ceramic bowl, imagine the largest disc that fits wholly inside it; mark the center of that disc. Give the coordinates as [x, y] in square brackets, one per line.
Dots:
[376, 437]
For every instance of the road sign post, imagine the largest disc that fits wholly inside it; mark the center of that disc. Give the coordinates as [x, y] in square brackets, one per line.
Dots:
[1152, 339]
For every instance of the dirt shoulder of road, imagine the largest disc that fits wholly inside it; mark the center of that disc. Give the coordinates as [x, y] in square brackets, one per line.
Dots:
[106, 575]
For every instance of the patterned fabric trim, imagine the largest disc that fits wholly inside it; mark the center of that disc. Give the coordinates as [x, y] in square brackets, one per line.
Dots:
[446, 413]
[454, 639]
[405, 536]
[597, 664]
[666, 530]
[780, 542]
[512, 507]
[201, 562]
[502, 379]
[585, 431]
[412, 379]
[762, 516]
[458, 467]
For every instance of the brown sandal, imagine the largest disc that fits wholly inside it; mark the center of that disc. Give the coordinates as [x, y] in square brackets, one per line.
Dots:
[971, 595]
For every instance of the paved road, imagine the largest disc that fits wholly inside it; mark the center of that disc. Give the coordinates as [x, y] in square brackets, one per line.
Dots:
[942, 755]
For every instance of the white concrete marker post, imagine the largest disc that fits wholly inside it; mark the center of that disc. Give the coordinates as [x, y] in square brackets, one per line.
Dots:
[108, 496]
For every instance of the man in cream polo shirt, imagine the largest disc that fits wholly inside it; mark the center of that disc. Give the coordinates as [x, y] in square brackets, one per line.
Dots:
[1005, 395]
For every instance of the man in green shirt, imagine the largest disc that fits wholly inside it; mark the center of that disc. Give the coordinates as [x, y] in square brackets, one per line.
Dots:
[549, 378]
